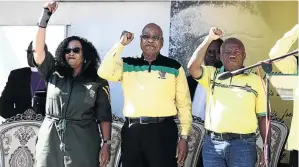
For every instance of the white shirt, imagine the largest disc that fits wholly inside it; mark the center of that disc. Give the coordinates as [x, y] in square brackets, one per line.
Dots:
[199, 102]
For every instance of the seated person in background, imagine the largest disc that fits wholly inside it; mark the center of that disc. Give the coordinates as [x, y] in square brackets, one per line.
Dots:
[20, 89]
[197, 91]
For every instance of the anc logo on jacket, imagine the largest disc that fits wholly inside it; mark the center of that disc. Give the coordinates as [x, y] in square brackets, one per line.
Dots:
[162, 75]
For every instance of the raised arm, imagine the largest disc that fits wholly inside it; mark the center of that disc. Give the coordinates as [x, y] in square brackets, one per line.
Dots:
[111, 68]
[195, 62]
[39, 41]
[289, 64]
[43, 60]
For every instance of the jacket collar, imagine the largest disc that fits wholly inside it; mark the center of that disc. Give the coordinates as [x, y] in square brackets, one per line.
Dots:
[246, 72]
[84, 67]
[159, 56]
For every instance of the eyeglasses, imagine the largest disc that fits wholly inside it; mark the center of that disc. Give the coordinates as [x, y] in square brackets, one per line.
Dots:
[69, 50]
[154, 38]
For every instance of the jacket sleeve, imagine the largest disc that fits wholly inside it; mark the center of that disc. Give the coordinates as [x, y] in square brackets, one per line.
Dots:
[289, 64]
[205, 79]
[47, 67]
[111, 68]
[103, 103]
[261, 99]
[183, 102]
[6, 99]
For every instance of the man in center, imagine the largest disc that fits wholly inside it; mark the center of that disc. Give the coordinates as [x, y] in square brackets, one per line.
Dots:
[155, 92]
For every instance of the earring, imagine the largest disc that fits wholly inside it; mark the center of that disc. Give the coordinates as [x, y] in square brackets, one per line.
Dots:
[85, 61]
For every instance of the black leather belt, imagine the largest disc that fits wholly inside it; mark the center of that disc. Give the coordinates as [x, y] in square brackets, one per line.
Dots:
[148, 120]
[230, 136]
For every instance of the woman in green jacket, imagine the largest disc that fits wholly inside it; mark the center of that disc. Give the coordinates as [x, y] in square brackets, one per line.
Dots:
[77, 103]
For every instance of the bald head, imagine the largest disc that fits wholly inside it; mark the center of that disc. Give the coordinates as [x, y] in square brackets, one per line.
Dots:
[151, 41]
[232, 54]
[152, 26]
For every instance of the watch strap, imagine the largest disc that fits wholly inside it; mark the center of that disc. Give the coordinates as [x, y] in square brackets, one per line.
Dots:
[107, 141]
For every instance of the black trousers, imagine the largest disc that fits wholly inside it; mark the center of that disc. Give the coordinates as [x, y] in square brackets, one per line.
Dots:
[149, 145]
[294, 158]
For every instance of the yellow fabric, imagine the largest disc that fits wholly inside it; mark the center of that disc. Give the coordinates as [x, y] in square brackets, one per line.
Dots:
[147, 95]
[112, 66]
[289, 65]
[234, 104]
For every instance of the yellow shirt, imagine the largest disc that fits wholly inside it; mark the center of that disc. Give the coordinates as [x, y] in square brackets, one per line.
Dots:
[289, 65]
[233, 104]
[158, 89]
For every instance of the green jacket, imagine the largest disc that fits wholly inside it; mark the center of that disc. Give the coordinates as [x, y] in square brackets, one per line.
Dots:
[69, 135]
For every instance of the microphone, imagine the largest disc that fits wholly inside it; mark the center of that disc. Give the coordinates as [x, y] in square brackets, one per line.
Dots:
[228, 74]
[264, 64]
[225, 75]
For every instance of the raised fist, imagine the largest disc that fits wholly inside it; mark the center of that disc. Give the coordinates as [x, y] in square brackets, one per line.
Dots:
[126, 38]
[215, 33]
[51, 5]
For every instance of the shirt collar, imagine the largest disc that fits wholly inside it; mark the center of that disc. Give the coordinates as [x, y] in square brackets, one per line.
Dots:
[157, 58]
[246, 72]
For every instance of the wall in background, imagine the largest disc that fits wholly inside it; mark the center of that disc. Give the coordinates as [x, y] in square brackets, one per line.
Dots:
[259, 24]
[100, 22]
[185, 25]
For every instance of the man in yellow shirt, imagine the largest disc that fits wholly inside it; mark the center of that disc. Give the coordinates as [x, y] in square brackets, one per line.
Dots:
[289, 65]
[234, 106]
[155, 91]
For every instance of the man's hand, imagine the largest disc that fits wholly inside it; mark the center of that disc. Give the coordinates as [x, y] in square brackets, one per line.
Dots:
[51, 5]
[182, 151]
[126, 38]
[105, 155]
[215, 33]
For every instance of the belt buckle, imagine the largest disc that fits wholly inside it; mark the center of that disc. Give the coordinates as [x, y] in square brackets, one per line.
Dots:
[143, 119]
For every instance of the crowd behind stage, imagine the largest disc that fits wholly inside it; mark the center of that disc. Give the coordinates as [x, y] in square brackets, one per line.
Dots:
[71, 90]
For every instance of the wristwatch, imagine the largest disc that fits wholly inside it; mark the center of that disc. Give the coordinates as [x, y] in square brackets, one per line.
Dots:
[184, 137]
[109, 142]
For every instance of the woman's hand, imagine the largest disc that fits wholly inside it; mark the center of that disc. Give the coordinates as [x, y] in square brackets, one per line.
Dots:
[48, 9]
[51, 5]
[104, 155]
